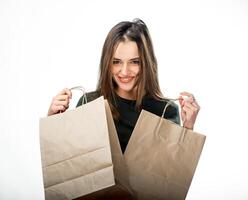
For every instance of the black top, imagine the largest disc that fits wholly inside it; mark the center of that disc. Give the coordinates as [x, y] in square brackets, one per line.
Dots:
[129, 114]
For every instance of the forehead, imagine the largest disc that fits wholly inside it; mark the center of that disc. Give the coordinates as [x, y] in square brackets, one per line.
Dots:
[126, 50]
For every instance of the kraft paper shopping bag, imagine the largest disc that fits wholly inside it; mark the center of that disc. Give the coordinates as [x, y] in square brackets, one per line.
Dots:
[121, 190]
[75, 152]
[119, 163]
[161, 158]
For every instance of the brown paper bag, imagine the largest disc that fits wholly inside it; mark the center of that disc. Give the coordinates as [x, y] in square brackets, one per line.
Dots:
[119, 163]
[75, 152]
[161, 158]
[121, 190]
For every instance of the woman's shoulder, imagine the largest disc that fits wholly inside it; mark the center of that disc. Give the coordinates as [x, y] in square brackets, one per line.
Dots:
[90, 96]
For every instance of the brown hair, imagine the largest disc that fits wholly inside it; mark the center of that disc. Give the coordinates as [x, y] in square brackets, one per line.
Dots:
[147, 82]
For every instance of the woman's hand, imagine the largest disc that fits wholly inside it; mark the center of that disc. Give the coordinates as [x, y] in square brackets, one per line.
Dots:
[60, 102]
[189, 110]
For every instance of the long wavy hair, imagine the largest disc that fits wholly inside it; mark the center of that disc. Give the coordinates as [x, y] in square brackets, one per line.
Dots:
[147, 82]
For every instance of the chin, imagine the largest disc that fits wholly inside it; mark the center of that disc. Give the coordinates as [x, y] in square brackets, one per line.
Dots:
[126, 88]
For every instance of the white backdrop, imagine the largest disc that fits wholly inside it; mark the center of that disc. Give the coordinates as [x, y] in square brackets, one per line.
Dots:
[201, 47]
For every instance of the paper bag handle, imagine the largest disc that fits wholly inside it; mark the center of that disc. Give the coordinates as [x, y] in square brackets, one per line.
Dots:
[166, 106]
[169, 100]
[84, 100]
[182, 135]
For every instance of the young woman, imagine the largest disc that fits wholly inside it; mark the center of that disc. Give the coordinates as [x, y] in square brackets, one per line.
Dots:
[129, 81]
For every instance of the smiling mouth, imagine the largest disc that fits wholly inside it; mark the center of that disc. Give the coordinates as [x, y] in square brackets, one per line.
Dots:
[125, 79]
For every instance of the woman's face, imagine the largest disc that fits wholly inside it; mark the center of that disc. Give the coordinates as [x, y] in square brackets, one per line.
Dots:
[125, 68]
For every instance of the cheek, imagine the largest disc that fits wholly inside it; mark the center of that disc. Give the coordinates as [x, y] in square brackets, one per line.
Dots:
[114, 70]
[136, 71]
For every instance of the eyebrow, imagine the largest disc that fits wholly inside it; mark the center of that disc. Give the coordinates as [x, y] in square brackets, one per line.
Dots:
[136, 58]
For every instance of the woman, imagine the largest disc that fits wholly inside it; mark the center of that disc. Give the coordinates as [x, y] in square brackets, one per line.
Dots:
[129, 81]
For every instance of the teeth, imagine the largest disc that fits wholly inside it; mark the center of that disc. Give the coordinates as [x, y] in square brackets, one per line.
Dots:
[125, 79]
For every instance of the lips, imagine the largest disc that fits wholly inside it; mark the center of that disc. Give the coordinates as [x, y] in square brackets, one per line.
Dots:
[125, 79]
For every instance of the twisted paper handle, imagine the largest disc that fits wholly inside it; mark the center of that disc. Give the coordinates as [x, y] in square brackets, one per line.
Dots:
[83, 90]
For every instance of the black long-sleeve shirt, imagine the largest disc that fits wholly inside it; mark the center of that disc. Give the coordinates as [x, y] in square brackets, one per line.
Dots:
[129, 114]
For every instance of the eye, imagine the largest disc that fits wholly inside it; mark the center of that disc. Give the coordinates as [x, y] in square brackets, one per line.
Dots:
[135, 62]
[116, 62]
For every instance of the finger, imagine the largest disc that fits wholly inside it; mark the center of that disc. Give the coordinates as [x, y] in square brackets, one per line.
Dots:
[61, 108]
[193, 101]
[63, 103]
[66, 91]
[62, 97]
[196, 105]
[186, 94]
[188, 111]
[189, 99]
[183, 101]
[191, 106]
[57, 108]
[189, 102]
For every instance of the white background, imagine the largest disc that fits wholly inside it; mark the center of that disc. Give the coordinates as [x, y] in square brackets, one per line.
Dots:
[201, 47]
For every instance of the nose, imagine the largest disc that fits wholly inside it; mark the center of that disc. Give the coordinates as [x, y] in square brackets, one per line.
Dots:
[124, 69]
